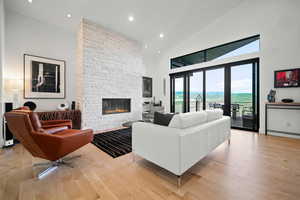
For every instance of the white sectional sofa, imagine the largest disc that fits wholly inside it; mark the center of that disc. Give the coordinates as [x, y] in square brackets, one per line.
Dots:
[186, 140]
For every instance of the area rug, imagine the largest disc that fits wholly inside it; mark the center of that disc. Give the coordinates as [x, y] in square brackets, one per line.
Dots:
[115, 143]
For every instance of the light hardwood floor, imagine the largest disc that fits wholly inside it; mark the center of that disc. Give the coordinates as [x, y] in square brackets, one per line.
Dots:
[251, 167]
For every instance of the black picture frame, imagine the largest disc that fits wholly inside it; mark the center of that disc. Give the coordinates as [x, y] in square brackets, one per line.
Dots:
[286, 70]
[60, 78]
[147, 87]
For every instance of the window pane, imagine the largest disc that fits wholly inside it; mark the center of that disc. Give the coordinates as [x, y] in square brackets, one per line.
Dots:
[234, 49]
[186, 60]
[215, 88]
[179, 96]
[196, 91]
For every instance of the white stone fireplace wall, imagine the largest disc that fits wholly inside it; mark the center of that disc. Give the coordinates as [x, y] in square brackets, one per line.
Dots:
[109, 65]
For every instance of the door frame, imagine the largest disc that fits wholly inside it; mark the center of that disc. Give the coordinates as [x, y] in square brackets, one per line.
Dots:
[227, 87]
[172, 92]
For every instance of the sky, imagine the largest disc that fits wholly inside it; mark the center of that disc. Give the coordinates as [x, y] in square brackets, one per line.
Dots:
[241, 80]
[249, 48]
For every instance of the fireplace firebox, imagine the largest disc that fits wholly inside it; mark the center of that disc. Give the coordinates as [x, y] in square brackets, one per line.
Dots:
[115, 105]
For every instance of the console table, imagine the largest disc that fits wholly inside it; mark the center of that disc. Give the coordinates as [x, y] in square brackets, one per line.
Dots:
[74, 115]
[280, 106]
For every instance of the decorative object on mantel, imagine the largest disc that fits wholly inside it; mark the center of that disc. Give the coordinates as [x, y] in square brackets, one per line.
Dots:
[44, 78]
[31, 105]
[287, 78]
[271, 96]
[286, 100]
[147, 87]
[74, 115]
[63, 106]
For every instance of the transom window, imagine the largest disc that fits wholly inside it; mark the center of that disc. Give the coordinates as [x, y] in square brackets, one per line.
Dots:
[236, 48]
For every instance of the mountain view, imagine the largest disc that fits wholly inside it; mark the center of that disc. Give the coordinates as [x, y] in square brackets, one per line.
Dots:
[243, 99]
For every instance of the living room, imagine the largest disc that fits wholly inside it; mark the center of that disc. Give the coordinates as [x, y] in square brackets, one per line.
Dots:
[163, 99]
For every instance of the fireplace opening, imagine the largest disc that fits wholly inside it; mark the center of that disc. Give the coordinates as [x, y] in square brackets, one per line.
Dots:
[115, 105]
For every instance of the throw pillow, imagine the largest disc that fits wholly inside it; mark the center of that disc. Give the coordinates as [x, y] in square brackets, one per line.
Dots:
[162, 119]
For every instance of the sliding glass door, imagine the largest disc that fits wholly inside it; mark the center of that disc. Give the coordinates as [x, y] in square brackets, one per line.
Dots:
[243, 96]
[231, 87]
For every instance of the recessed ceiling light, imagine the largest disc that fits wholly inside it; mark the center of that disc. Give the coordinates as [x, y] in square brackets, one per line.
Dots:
[130, 18]
[30, 1]
[69, 15]
[146, 46]
[158, 52]
[161, 35]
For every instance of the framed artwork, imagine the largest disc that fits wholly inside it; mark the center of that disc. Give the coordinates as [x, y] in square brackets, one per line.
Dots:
[44, 78]
[287, 78]
[147, 87]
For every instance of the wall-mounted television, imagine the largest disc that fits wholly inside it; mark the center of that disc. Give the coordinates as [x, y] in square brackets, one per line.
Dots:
[287, 78]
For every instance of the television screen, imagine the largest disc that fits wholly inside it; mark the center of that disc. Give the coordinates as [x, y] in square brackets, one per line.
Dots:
[287, 78]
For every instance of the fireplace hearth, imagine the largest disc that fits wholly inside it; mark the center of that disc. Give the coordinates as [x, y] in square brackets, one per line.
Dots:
[115, 105]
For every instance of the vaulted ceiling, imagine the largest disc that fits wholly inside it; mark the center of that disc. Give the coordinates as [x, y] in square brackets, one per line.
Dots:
[177, 19]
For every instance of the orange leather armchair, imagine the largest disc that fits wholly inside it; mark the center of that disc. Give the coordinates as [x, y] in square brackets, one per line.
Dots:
[50, 145]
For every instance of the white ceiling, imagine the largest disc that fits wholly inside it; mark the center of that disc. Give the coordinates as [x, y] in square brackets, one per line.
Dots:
[177, 19]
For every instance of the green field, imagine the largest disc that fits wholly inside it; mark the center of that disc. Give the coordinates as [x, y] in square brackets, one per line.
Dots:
[243, 99]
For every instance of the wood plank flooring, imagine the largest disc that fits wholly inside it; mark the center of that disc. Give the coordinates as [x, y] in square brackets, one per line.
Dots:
[251, 167]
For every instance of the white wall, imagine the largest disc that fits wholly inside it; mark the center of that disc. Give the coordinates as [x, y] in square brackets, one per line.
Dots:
[30, 36]
[2, 45]
[151, 63]
[277, 22]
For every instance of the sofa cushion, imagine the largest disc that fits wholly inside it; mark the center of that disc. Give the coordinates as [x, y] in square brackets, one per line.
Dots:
[162, 119]
[214, 114]
[55, 129]
[186, 120]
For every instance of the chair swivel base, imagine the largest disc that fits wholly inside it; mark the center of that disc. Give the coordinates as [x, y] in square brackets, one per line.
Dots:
[53, 165]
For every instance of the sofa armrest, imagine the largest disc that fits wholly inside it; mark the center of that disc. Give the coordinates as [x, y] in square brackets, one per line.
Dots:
[158, 144]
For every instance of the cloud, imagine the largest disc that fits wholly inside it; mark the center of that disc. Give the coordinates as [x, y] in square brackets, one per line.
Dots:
[241, 86]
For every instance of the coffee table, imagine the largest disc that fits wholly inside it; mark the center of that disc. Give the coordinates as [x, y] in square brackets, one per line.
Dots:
[129, 123]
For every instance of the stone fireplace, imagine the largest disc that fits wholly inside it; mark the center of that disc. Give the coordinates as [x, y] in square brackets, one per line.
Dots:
[109, 77]
[115, 106]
